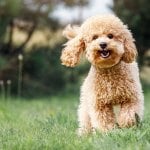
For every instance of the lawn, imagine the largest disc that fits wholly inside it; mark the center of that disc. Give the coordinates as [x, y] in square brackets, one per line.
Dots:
[51, 124]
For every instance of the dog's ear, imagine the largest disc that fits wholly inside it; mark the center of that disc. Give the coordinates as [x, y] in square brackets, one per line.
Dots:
[73, 48]
[129, 47]
[70, 32]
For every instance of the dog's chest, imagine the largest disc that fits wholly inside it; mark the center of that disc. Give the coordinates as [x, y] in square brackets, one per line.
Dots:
[112, 88]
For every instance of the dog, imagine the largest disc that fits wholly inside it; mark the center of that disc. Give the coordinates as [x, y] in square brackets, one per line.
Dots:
[113, 78]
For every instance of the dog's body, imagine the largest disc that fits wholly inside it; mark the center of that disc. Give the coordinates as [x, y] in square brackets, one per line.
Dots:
[113, 78]
[104, 88]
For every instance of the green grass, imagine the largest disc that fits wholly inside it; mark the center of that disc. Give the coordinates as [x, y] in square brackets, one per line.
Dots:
[51, 124]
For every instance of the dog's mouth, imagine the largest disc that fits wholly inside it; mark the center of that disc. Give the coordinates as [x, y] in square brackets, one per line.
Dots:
[104, 53]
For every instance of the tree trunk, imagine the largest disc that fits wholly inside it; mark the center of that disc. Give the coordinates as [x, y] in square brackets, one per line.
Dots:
[22, 46]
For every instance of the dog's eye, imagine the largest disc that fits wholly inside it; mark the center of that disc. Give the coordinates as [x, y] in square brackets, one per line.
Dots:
[110, 36]
[94, 37]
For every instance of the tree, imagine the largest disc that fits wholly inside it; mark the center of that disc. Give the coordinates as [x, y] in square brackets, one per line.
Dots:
[30, 16]
[135, 13]
[25, 15]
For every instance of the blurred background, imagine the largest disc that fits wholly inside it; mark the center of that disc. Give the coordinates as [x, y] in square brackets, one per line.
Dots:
[31, 43]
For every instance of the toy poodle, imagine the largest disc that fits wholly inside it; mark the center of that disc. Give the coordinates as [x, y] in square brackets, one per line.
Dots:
[113, 78]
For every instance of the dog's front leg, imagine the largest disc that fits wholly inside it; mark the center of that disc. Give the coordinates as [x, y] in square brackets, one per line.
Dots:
[130, 113]
[103, 118]
[84, 120]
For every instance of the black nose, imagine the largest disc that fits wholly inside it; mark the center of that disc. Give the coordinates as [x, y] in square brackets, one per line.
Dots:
[103, 45]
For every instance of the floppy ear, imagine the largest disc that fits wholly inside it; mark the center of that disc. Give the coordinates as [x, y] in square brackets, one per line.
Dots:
[129, 47]
[70, 32]
[73, 49]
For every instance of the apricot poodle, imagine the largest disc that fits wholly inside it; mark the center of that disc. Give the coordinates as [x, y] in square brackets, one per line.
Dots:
[113, 78]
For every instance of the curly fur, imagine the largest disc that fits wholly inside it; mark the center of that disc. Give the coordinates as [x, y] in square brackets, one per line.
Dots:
[111, 81]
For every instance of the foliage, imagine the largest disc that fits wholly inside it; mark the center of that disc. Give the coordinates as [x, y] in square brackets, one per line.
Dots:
[27, 15]
[42, 71]
[51, 123]
[44, 74]
[135, 13]
[45, 71]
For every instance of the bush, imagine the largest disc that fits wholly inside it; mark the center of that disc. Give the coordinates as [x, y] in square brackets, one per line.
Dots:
[43, 73]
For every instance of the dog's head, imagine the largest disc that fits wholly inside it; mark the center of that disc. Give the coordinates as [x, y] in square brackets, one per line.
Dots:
[105, 40]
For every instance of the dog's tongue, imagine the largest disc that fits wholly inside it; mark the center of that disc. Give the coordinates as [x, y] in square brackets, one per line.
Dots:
[105, 53]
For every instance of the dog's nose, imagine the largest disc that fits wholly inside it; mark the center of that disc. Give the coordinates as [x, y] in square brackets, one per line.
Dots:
[103, 45]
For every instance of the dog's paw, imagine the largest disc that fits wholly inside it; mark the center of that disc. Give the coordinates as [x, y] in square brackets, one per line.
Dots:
[83, 131]
[127, 120]
[138, 120]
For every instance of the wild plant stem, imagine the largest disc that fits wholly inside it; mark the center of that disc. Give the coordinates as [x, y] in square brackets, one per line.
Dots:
[20, 75]
[8, 95]
[2, 90]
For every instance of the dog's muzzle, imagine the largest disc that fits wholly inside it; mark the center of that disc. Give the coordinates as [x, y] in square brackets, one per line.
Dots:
[105, 53]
